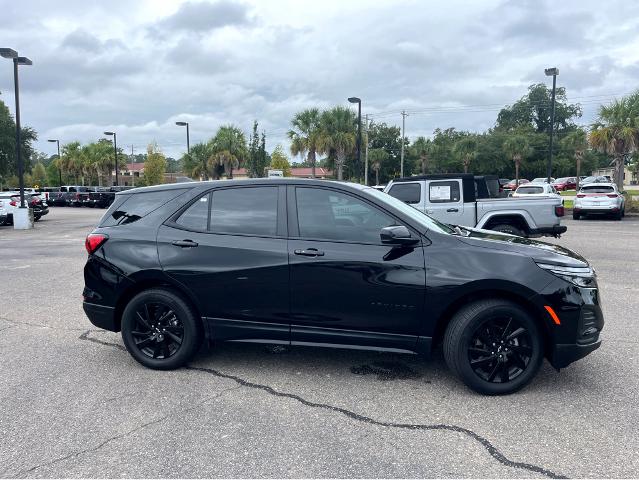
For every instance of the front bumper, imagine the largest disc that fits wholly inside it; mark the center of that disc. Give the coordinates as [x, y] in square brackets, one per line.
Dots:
[564, 354]
[101, 316]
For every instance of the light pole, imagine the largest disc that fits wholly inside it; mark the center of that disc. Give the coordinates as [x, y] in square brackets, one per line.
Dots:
[185, 124]
[551, 72]
[59, 165]
[10, 53]
[358, 101]
[115, 150]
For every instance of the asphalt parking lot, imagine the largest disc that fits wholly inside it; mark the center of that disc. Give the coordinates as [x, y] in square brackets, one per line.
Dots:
[74, 404]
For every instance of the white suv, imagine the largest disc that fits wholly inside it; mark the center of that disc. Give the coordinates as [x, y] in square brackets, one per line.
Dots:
[599, 198]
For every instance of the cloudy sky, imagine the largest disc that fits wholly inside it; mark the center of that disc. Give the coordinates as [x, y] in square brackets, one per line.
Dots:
[138, 66]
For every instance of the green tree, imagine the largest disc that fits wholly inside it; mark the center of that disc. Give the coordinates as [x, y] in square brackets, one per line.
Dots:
[421, 150]
[228, 150]
[279, 161]
[39, 175]
[98, 158]
[72, 160]
[257, 160]
[195, 163]
[388, 138]
[466, 149]
[305, 135]
[8, 158]
[155, 165]
[534, 110]
[577, 143]
[377, 157]
[616, 132]
[517, 148]
[337, 135]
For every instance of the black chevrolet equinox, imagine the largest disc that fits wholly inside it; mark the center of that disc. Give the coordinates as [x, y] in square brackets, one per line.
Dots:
[315, 262]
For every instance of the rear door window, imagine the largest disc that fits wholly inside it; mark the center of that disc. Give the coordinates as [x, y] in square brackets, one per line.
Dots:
[131, 208]
[406, 192]
[244, 211]
[443, 191]
[196, 217]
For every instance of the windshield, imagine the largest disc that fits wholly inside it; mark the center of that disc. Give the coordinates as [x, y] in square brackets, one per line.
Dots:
[530, 190]
[598, 189]
[413, 213]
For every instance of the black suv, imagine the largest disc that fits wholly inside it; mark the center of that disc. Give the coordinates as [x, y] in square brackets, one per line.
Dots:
[314, 262]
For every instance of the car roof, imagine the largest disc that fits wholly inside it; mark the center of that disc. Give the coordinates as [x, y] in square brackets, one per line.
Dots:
[247, 181]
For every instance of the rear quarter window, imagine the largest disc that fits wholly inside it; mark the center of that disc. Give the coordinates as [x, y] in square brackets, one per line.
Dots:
[131, 208]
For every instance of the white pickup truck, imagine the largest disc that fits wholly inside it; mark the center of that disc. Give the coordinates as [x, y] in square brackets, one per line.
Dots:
[452, 198]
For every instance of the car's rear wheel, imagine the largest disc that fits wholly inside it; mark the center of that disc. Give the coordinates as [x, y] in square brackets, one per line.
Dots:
[160, 330]
[494, 346]
[510, 229]
[618, 215]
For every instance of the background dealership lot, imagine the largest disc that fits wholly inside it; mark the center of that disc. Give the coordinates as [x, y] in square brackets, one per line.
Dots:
[75, 404]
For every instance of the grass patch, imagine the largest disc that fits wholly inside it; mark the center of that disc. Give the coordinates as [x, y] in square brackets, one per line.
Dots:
[568, 192]
[568, 204]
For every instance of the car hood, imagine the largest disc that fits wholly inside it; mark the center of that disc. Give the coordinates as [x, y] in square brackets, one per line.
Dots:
[538, 251]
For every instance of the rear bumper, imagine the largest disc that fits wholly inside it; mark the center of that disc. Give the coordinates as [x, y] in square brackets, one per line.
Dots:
[101, 316]
[555, 230]
[597, 209]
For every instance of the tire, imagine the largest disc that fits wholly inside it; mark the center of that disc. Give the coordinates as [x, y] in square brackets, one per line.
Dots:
[575, 216]
[157, 349]
[507, 228]
[618, 215]
[463, 341]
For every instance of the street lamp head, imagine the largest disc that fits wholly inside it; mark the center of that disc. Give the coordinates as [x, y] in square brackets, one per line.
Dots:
[551, 72]
[110, 134]
[8, 53]
[24, 61]
[354, 100]
[181, 124]
[51, 140]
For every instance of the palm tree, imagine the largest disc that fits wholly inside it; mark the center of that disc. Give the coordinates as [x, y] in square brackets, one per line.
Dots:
[422, 148]
[337, 134]
[71, 159]
[466, 149]
[377, 157]
[616, 132]
[517, 148]
[576, 142]
[196, 162]
[305, 135]
[228, 149]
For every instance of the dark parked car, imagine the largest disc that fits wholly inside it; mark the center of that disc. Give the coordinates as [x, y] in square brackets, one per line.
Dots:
[312, 262]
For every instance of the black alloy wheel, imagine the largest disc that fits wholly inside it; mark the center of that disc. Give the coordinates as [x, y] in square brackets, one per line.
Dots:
[500, 350]
[160, 329]
[495, 346]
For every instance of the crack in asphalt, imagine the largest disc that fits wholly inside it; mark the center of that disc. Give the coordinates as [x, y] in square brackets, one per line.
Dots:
[484, 442]
[95, 448]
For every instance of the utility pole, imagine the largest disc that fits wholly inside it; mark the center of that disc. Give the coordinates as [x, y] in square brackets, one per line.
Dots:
[132, 172]
[551, 72]
[401, 165]
[366, 152]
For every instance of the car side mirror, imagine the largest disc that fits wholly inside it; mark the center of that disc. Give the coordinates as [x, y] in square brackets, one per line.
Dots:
[397, 235]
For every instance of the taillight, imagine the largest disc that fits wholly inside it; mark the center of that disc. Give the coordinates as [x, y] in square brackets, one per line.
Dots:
[581, 195]
[94, 241]
[77, 196]
[559, 210]
[612, 195]
[13, 203]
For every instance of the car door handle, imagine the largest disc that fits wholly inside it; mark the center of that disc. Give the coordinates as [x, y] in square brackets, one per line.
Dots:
[453, 210]
[311, 252]
[185, 243]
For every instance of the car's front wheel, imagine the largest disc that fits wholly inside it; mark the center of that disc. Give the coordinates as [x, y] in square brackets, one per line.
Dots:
[494, 346]
[160, 330]
[510, 229]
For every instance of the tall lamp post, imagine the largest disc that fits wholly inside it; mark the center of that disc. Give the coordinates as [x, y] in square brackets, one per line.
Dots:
[185, 124]
[59, 166]
[12, 54]
[551, 72]
[115, 150]
[358, 101]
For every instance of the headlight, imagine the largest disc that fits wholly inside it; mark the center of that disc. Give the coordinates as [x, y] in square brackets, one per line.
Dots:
[580, 276]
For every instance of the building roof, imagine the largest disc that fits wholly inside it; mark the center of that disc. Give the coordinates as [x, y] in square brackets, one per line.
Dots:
[135, 167]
